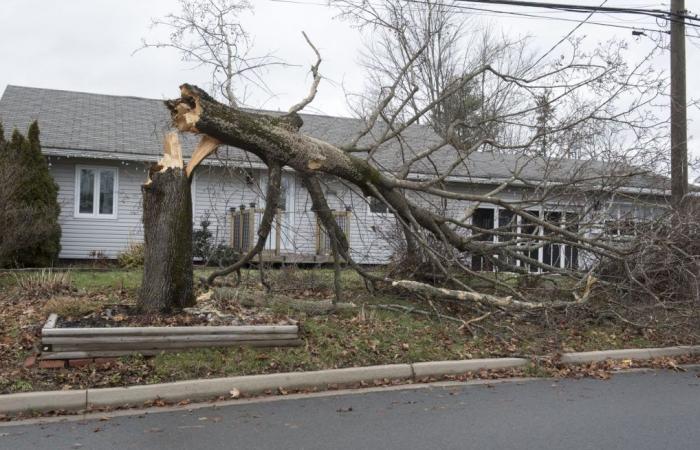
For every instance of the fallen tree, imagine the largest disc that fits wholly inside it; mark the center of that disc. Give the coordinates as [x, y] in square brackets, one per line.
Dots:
[549, 108]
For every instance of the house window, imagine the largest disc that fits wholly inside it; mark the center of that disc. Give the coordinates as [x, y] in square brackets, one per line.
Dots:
[623, 223]
[528, 227]
[377, 206]
[96, 192]
[507, 223]
[482, 218]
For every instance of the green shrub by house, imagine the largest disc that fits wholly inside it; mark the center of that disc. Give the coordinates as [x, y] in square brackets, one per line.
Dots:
[30, 217]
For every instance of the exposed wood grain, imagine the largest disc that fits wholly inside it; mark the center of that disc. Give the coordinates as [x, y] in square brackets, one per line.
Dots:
[207, 145]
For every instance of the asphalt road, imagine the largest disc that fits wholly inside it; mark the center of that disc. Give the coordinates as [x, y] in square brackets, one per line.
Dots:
[658, 410]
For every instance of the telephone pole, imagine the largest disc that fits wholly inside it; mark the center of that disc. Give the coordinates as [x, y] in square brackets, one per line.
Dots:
[679, 122]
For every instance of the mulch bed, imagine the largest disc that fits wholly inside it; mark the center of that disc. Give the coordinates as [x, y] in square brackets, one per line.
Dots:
[127, 316]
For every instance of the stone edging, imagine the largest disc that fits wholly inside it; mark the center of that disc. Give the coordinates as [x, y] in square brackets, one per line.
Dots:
[205, 389]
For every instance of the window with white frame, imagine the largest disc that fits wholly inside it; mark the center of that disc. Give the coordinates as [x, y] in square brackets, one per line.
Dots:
[96, 191]
[508, 225]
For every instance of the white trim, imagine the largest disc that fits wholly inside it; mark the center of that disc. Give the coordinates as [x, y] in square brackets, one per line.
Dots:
[193, 196]
[96, 193]
[97, 154]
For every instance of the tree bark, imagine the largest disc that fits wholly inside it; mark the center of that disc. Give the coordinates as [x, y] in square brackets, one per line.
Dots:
[167, 226]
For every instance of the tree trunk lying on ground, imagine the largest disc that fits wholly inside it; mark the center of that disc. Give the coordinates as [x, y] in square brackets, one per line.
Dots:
[253, 299]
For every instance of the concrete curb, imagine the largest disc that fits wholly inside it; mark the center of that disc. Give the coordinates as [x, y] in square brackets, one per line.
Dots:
[637, 353]
[322, 379]
[251, 384]
[438, 368]
[43, 401]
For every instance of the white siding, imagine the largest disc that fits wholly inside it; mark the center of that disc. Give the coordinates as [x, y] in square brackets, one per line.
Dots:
[215, 189]
[82, 236]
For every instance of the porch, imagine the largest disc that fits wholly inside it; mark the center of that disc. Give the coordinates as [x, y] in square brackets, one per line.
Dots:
[281, 245]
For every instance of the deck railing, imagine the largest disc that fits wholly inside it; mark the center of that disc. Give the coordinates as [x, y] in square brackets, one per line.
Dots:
[323, 240]
[244, 222]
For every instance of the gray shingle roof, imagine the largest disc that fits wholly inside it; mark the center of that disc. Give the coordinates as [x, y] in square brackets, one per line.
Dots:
[116, 126]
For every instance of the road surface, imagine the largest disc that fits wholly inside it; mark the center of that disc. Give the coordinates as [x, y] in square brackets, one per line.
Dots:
[653, 410]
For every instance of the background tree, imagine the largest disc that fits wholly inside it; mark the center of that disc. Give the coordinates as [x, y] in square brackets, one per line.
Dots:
[210, 33]
[29, 219]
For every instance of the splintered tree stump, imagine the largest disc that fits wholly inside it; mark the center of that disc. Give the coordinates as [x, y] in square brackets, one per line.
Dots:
[167, 226]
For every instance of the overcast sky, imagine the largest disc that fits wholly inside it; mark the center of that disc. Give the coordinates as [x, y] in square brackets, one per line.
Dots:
[87, 45]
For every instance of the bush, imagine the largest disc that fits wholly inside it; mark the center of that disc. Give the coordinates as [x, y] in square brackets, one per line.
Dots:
[663, 265]
[28, 195]
[201, 241]
[223, 255]
[210, 253]
[132, 257]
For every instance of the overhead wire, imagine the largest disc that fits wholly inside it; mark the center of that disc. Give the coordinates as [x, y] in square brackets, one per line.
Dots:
[481, 11]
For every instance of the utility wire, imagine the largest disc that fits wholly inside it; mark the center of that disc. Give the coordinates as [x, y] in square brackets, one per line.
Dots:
[535, 16]
[659, 13]
[566, 36]
[512, 13]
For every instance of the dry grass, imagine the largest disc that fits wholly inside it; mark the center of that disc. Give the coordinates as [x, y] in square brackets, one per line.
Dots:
[66, 306]
[44, 283]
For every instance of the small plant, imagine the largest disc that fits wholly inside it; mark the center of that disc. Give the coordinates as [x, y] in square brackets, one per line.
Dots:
[21, 386]
[132, 257]
[43, 283]
[223, 255]
[99, 258]
[201, 241]
[210, 253]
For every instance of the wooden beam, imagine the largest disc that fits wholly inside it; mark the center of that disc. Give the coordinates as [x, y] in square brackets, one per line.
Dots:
[89, 340]
[81, 354]
[137, 347]
[50, 322]
[172, 331]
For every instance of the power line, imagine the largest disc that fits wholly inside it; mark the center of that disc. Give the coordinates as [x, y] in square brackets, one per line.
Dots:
[510, 13]
[536, 16]
[567, 36]
[658, 13]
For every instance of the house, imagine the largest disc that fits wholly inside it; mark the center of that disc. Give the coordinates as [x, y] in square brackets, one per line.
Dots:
[99, 148]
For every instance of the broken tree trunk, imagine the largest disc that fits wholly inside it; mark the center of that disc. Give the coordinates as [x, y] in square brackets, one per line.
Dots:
[277, 139]
[167, 226]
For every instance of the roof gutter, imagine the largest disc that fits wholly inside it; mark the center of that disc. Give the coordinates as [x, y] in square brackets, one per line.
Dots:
[140, 157]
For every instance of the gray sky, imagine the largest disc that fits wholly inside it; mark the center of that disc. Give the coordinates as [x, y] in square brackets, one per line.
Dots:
[87, 45]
